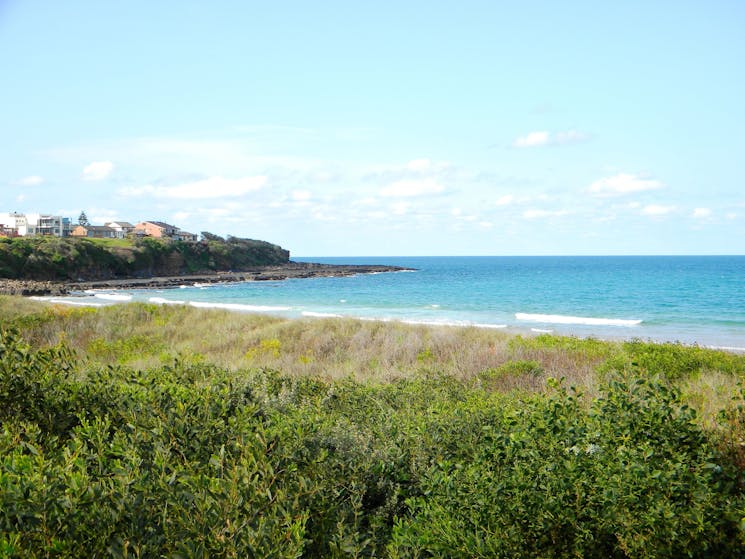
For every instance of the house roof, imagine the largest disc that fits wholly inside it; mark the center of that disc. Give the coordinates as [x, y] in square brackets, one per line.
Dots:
[162, 224]
[123, 224]
[96, 227]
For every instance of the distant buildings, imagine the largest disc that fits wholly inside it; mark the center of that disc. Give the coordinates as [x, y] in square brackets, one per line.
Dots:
[14, 224]
[94, 232]
[161, 230]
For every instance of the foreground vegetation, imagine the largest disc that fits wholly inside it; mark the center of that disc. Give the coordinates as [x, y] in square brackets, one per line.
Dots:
[146, 431]
[65, 259]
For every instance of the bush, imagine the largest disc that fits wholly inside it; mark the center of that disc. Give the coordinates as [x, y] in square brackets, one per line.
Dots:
[632, 477]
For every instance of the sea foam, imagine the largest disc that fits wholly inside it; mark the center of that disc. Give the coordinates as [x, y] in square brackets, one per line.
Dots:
[320, 314]
[237, 307]
[562, 319]
[113, 296]
[162, 301]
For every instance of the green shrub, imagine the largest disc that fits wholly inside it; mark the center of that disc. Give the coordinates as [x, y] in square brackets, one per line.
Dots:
[633, 477]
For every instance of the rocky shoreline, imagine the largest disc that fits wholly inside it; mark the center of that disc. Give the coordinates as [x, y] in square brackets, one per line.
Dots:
[260, 273]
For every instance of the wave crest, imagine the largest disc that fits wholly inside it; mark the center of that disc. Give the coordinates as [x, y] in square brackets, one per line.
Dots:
[588, 321]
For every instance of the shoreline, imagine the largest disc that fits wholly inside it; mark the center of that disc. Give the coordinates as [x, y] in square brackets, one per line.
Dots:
[292, 270]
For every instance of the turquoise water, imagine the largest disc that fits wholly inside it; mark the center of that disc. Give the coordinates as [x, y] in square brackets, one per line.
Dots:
[692, 299]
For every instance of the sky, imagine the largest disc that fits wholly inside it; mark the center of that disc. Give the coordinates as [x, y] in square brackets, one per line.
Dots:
[408, 127]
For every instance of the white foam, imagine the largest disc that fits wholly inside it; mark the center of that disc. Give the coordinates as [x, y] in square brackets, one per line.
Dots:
[727, 348]
[320, 314]
[113, 296]
[374, 319]
[492, 326]
[562, 319]
[541, 330]
[436, 322]
[237, 307]
[162, 301]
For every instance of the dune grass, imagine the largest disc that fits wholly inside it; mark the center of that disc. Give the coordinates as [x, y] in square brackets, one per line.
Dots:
[140, 430]
[143, 335]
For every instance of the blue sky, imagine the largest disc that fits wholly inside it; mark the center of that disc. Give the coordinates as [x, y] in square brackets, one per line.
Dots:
[384, 128]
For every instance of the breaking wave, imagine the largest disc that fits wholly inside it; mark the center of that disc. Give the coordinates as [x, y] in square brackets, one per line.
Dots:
[238, 307]
[562, 319]
[320, 314]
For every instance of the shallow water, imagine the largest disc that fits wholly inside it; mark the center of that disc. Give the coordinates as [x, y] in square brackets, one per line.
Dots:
[692, 299]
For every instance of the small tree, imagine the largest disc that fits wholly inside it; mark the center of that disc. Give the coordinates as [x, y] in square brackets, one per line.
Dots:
[83, 219]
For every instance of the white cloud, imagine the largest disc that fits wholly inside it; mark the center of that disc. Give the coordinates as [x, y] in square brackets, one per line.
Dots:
[98, 170]
[412, 187]
[532, 139]
[654, 209]
[545, 138]
[622, 184]
[701, 213]
[419, 165]
[301, 195]
[213, 187]
[541, 214]
[33, 180]
[400, 208]
[505, 200]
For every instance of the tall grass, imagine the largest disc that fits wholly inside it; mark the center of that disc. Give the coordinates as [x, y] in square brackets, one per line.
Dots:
[145, 335]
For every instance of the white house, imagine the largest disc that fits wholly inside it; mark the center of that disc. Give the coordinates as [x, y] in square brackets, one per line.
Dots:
[36, 224]
[122, 228]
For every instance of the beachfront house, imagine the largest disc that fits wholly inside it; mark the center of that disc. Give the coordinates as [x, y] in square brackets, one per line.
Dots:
[122, 228]
[7, 231]
[94, 232]
[186, 236]
[157, 229]
[27, 225]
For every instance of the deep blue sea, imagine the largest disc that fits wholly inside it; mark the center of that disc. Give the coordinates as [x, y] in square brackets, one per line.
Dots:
[691, 299]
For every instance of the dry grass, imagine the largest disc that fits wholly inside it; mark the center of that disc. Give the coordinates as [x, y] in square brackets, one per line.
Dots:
[145, 335]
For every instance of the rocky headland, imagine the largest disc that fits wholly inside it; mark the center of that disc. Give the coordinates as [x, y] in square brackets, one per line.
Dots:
[259, 273]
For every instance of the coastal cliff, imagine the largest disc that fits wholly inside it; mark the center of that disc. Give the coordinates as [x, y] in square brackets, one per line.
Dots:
[68, 259]
[57, 266]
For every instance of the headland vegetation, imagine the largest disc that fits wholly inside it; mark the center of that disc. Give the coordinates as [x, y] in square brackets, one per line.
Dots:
[59, 265]
[140, 430]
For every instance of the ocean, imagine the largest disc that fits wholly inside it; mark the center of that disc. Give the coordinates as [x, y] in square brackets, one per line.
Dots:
[689, 299]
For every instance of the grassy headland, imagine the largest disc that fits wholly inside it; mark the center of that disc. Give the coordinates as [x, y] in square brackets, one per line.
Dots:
[70, 259]
[141, 430]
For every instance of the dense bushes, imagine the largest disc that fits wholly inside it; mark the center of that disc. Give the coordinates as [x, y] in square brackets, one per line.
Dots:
[188, 460]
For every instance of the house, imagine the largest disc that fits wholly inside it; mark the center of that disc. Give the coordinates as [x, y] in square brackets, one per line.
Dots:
[19, 223]
[36, 224]
[94, 232]
[186, 236]
[53, 226]
[7, 231]
[122, 228]
[156, 229]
